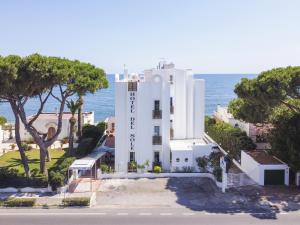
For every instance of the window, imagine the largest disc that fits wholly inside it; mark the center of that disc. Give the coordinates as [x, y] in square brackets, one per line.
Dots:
[156, 130]
[156, 105]
[171, 105]
[156, 157]
[177, 160]
[132, 86]
[186, 159]
[113, 126]
[132, 157]
[171, 79]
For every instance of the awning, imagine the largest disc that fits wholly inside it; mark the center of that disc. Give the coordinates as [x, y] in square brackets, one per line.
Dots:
[87, 162]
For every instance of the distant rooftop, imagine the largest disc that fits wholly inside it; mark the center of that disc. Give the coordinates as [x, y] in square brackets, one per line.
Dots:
[185, 144]
[264, 158]
[54, 115]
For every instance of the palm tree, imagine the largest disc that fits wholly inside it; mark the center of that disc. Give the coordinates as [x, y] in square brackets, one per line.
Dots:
[73, 107]
[79, 120]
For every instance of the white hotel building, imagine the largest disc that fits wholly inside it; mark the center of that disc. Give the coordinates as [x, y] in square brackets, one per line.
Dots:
[159, 116]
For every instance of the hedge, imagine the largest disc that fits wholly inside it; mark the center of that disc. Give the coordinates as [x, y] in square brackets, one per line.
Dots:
[231, 139]
[76, 201]
[20, 202]
[10, 177]
[58, 175]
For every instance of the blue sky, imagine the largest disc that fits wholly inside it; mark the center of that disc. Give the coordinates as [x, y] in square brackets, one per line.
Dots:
[208, 36]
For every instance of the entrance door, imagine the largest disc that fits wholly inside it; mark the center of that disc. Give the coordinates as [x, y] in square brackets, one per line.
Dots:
[274, 177]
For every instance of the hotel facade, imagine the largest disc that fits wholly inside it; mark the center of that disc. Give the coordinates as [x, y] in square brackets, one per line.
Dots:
[159, 118]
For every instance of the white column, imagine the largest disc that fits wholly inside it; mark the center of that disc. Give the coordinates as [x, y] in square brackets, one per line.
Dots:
[199, 108]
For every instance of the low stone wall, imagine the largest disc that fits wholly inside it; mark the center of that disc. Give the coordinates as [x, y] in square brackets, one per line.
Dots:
[25, 190]
[157, 175]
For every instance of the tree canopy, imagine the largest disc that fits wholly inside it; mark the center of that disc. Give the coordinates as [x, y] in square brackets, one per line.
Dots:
[37, 76]
[273, 97]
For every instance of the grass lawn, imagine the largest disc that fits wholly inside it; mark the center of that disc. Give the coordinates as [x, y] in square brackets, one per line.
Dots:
[12, 159]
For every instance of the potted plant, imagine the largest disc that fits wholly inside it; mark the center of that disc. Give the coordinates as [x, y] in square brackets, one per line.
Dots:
[147, 165]
[141, 168]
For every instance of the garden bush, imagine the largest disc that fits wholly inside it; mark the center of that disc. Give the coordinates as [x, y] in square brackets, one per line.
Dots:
[217, 172]
[157, 169]
[26, 147]
[232, 139]
[56, 180]
[20, 202]
[104, 168]
[187, 169]
[76, 201]
[202, 163]
[85, 147]
[10, 177]
[58, 174]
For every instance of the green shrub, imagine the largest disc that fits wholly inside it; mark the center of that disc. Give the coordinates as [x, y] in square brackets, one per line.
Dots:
[65, 164]
[3, 120]
[85, 146]
[76, 201]
[217, 172]
[56, 180]
[58, 174]
[26, 147]
[104, 168]
[202, 163]
[232, 139]
[20, 202]
[214, 158]
[157, 169]
[187, 169]
[10, 177]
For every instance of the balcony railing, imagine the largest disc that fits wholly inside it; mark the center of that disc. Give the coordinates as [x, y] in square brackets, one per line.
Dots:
[156, 140]
[156, 114]
[171, 109]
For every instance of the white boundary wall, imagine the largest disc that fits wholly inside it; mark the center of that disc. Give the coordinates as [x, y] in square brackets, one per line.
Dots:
[157, 175]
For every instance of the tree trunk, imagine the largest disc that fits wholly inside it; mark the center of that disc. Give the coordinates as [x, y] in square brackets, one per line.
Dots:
[79, 119]
[21, 149]
[19, 143]
[43, 161]
[71, 136]
[48, 155]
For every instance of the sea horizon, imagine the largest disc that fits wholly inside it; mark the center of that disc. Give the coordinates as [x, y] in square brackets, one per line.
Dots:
[218, 91]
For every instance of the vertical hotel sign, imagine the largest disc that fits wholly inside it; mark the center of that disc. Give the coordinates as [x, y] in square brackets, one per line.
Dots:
[132, 88]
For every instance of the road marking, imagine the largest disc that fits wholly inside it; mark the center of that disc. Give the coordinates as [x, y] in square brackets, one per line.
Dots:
[145, 214]
[50, 213]
[283, 213]
[122, 214]
[188, 214]
[166, 214]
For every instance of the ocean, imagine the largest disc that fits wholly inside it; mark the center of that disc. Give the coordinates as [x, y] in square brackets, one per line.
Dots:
[219, 90]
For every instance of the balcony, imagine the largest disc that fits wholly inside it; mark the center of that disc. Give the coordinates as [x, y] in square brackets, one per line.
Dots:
[156, 140]
[171, 133]
[156, 114]
[132, 86]
[171, 109]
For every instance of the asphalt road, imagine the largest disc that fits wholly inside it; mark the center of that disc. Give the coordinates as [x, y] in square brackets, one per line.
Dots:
[145, 216]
